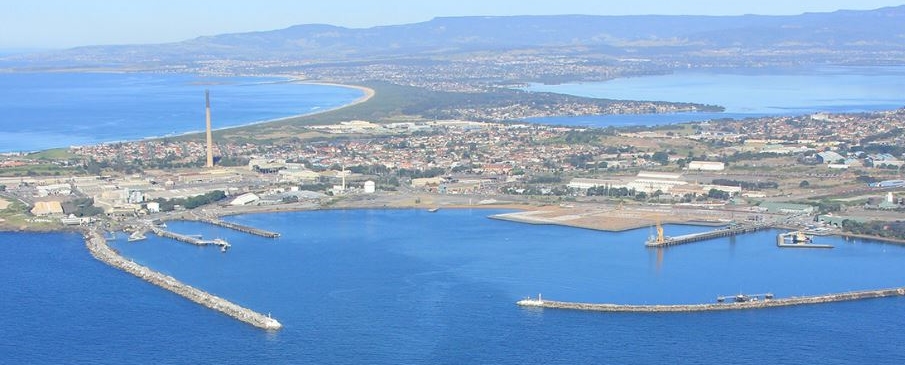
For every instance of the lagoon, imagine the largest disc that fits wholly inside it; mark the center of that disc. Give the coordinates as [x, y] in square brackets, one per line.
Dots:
[408, 286]
[746, 93]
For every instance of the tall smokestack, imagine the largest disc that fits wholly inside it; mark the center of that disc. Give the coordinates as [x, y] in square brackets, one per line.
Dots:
[210, 138]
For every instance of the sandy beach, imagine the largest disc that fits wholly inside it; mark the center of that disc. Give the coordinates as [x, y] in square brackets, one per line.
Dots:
[368, 94]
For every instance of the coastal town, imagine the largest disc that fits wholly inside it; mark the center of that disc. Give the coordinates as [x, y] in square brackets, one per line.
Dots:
[407, 182]
[841, 170]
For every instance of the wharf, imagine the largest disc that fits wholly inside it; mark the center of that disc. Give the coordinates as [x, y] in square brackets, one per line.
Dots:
[98, 247]
[797, 240]
[803, 245]
[190, 239]
[695, 237]
[767, 303]
[241, 227]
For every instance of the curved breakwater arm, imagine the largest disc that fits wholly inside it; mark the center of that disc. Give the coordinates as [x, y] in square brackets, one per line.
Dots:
[97, 245]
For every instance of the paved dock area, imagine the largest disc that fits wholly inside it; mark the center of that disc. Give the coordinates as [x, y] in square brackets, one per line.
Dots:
[616, 218]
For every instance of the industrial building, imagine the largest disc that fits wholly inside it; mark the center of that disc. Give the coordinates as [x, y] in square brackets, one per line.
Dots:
[706, 166]
[245, 199]
[47, 208]
[370, 187]
[584, 184]
[788, 208]
[829, 157]
[650, 182]
[426, 181]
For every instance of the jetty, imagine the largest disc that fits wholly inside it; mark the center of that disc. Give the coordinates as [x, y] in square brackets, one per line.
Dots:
[195, 240]
[751, 304]
[240, 227]
[98, 247]
[663, 241]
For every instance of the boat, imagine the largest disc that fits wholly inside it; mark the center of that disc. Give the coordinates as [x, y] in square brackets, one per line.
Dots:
[745, 298]
[433, 210]
[742, 298]
[800, 237]
[136, 236]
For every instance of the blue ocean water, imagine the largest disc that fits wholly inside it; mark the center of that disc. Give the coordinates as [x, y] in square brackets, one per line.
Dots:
[745, 93]
[46, 110]
[407, 286]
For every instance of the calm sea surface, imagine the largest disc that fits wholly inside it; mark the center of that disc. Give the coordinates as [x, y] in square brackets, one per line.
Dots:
[744, 93]
[46, 110]
[411, 287]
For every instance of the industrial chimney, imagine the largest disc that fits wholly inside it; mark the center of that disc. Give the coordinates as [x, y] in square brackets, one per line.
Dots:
[210, 138]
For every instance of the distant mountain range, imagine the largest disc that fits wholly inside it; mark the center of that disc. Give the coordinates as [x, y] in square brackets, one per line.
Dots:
[879, 32]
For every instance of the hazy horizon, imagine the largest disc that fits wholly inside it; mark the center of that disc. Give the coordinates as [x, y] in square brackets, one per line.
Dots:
[59, 24]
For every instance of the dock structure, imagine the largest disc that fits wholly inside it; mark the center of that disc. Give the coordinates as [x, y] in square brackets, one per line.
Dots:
[224, 245]
[754, 304]
[241, 227]
[797, 240]
[98, 247]
[663, 241]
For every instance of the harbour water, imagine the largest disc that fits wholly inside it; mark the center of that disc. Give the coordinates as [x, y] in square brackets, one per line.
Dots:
[47, 110]
[408, 286]
[745, 93]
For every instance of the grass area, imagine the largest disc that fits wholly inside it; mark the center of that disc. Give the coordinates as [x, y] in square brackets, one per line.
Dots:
[16, 216]
[38, 170]
[52, 154]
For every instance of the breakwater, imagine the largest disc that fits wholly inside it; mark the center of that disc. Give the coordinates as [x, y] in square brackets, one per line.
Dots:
[97, 245]
[767, 303]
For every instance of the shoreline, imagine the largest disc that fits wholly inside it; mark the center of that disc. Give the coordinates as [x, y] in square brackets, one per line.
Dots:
[368, 95]
[515, 217]
[521, 213]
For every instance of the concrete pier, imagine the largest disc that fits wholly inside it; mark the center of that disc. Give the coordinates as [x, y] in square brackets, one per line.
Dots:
[767, 303]
[241, 228]
[97, 245]
[190, 239]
